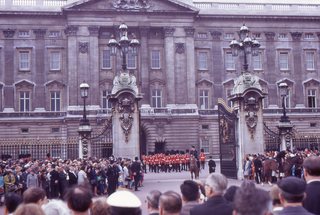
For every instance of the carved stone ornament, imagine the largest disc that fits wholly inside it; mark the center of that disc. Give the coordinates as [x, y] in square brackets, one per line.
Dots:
[270, 36]
[83, 47]
[71, 30]
[131, 4]
[296, 36]
[39, 33]
[216, 35]
[126, 108]
[180, 48]
[85, 148]
[251, 107]
[9, 33]
[124, 81]
[93, 30]
[189, 31]
[168, 31]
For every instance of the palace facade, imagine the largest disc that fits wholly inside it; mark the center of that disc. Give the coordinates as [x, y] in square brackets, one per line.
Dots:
[49, 47]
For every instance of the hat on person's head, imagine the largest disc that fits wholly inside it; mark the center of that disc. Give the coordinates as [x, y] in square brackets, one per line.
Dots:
[292, 185]
[136, 158]
[124, 199]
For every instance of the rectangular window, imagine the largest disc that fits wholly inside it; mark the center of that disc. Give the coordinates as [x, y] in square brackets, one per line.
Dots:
[156, 98]
[24, 34]
[257, 61]
[204, 99]
[256, 35]
[55, 60]
[105, 102]
[309, 36]
[284, 61]
[310, 60]
[202, 35]
[155, 59]
[24, 60]
[24, 101]
[312, 99]
[205, 144]
[131, 61]
[229, 61]
[282, 36]
[54, 34]
[106, 59]
[228, 36]
[55, 101]
[203, 60]
[287, 99]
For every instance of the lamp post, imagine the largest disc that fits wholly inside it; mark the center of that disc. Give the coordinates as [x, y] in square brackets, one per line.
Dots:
[124, 45]
[245, 44]
[84, 127]
[283, 89]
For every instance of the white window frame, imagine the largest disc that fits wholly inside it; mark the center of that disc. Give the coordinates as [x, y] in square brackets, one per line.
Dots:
[156, 98]
[155, 59]
[203, 99]
[55, 101]
[287, 99]
[24, 60]
[203, 60]
[106, 62]
[229, 61]
[284, 61]
[55, 60]
[257, 61]
[24, 101]
[312, 94]
[205, 144]
[310, 60]
[105, 101]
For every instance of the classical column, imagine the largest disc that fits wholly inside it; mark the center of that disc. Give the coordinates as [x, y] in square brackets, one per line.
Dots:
[270, 68]
[39, 74]
[296, 70]
[218, 73]
[169, 56]
[191, 74]
[94, 66]
[144, 69]
[8, 89]
[71, 33]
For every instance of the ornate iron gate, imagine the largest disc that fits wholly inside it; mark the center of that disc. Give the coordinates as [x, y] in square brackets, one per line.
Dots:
[101, 141]
[271, 139]
[227, 139]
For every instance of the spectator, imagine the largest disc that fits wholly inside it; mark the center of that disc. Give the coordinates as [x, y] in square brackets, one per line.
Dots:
[54, 182]
[56, 207]
[215, 185]
[136, 172]
[29, 209]
[250, 200]
[257, 169]
[79, 200]
[32, 179]
[11, 202]
[212, 165]
[292, 193]
[230, 193]
[124, 202]
[82, 176]
[100, 207]
[311, 167]
[9, 181]
[276, 204]
[112, 176]
[35, 195]
[170, 203]
[153, 202]
[190, 196]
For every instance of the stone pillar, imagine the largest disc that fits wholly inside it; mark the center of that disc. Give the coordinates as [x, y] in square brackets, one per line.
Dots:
[144, 72]
[181, 89]
[39, 74]
[191, 73]
[285, 132]
[218, 73]
[169, 57]
[296, 70]
[94, 66]
[8, 89]
[71, 32]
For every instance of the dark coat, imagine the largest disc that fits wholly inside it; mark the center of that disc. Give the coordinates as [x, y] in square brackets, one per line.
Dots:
[312, 200]
[73, 178]
[298, 210]
[136, 168]
[214, 205]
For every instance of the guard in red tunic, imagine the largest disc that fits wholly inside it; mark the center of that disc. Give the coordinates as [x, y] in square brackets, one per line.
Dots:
[202, 159]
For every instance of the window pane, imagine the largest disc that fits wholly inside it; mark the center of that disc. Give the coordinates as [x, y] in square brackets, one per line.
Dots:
[106, 59]
[55, 101]
[24, 101]
[312, 102]
[204, 99]
[24, 60]
[55, 58]
[156, 98]
[257, 62]
[310, 60]
[203, 60]
[229, 61]
[131, 60]
[105, 102]
[155, 59]
[283, 61]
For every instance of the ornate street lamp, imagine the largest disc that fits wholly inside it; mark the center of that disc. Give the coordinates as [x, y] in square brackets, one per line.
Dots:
[84, 127]
[245, 44]
[284, 91]
[124, 45]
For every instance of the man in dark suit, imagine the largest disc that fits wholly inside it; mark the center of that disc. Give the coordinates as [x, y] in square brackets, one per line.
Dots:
[54, 182]
[136, 171]
[215, 185]
[311, 171]
[73, 178]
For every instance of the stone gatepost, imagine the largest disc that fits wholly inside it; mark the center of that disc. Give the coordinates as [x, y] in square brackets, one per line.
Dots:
[125, 116]
[247, 101]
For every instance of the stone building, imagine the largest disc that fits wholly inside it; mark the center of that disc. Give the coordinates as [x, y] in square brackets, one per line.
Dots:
[49, 47]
